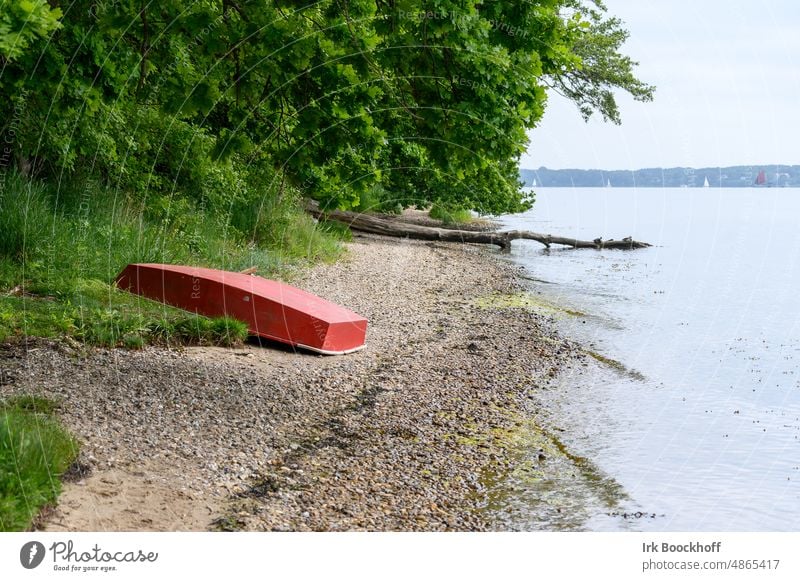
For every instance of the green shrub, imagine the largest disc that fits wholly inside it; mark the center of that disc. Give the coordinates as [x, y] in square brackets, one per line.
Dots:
[377, 199]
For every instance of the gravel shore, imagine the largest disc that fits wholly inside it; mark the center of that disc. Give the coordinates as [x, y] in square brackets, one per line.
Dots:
[397, 436]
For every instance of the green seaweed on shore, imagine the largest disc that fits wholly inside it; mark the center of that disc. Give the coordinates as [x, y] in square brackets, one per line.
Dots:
[545, 481]
[524, 300]
[616, 365]
[608, 490]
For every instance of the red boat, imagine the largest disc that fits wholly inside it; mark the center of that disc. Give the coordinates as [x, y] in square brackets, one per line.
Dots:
[272, 310]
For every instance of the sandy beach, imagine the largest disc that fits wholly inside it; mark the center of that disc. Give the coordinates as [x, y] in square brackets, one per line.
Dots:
[403, 435]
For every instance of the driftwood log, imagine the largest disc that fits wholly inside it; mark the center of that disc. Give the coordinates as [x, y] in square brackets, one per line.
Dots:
[376, 224]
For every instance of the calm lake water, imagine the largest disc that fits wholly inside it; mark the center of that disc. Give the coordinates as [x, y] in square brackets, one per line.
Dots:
[700, 424]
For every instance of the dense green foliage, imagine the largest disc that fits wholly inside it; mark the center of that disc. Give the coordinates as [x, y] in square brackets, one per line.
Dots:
[232, 104]
[34, 452]
[603, 68]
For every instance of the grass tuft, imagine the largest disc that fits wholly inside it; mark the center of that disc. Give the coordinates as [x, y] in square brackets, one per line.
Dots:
[450, 215]
[35, 450]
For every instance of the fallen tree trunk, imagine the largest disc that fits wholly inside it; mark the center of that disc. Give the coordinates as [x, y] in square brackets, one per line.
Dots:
[374, 224]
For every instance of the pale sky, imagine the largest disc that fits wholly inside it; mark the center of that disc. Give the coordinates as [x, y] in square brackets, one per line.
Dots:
[728, 91]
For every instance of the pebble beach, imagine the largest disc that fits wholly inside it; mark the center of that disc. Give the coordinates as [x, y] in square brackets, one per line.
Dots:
[399, 436]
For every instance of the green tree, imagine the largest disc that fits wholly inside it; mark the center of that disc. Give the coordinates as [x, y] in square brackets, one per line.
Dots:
[22, 23]
[602, 67]
[226, 102]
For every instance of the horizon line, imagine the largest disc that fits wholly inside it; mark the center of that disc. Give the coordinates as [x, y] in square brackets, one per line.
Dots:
[681, 167]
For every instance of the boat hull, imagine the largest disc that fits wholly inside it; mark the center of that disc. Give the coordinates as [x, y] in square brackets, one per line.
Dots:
[271, 309]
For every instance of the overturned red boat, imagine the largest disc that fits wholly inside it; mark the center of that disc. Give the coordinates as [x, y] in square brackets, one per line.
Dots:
[272, 310]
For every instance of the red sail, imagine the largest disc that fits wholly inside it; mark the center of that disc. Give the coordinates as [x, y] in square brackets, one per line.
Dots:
[761, 180]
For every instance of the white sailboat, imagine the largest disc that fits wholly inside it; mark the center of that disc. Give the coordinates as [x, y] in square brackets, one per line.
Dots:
[534, 182]
[608, 184]
[706, 184]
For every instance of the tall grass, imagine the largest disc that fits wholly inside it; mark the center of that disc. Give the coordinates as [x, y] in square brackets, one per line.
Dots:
[24, 217]
[61, 249]
[35, 450]
[450, 215]
[274, 222]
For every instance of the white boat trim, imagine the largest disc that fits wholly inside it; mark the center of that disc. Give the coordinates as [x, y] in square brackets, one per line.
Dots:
[325, 352]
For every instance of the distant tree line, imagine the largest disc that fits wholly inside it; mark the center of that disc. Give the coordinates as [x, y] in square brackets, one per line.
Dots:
[739, 176]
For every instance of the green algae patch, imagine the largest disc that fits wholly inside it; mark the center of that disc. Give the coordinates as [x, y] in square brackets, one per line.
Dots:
[608, 490]
[542, 483]
[535, 446]
[616, 365]
[524, 300]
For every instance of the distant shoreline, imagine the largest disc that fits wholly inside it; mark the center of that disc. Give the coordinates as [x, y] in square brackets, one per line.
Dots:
[741, 176]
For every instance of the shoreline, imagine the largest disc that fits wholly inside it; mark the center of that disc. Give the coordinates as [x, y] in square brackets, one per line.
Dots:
[404, 435]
